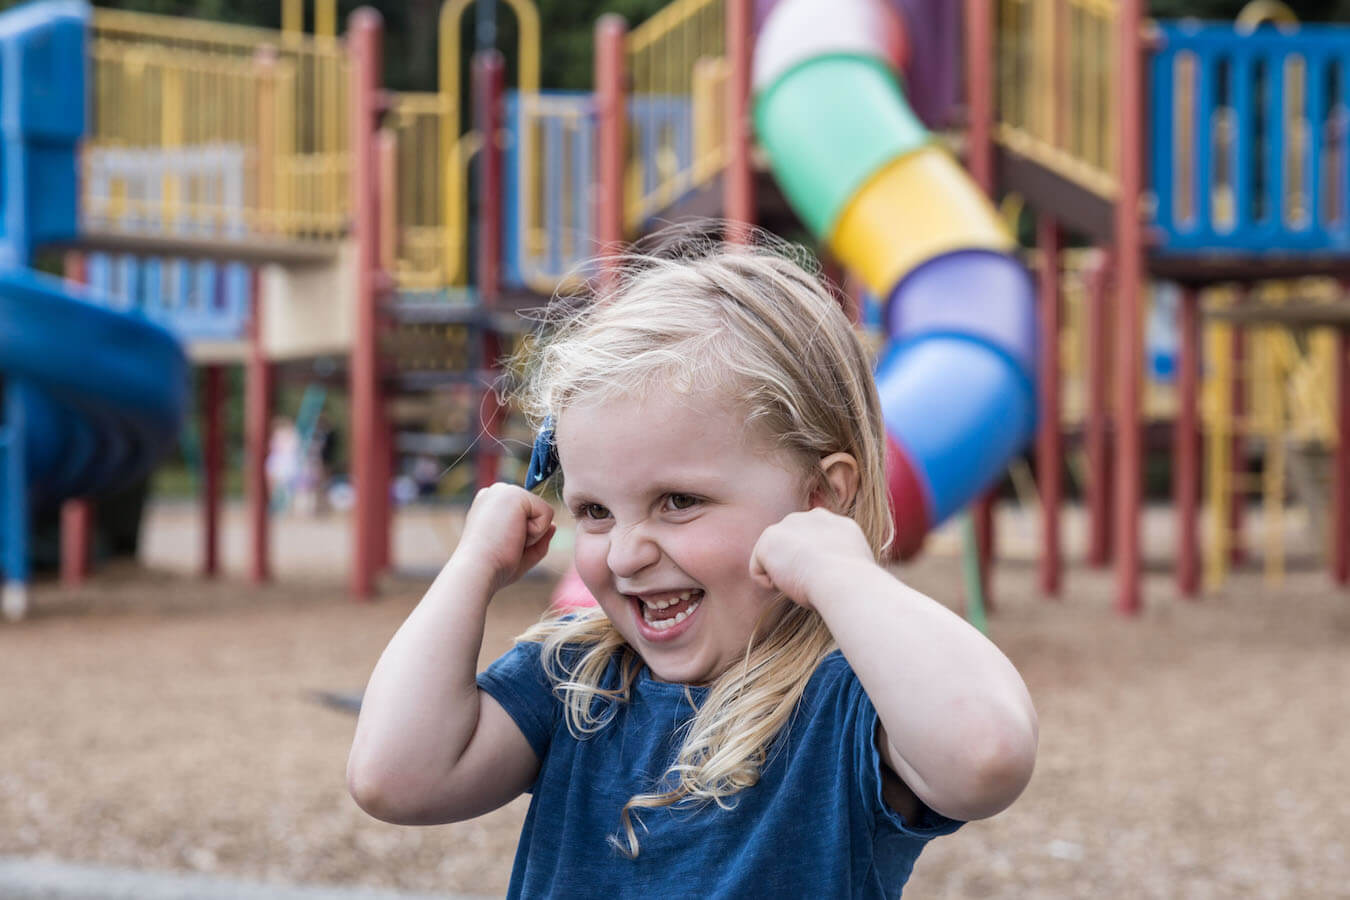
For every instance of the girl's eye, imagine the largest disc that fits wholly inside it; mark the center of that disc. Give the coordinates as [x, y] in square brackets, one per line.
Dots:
[593, 511]
[681, 501]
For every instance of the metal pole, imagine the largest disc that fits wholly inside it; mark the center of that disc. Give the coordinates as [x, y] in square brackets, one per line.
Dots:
[1096, 428]
[738, 186]
[1186, 444]
[1049, 443]
[365, 29]
[610, 99]
[1129, 287]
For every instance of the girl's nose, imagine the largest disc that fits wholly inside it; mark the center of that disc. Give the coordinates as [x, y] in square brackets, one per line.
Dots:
[631, 551]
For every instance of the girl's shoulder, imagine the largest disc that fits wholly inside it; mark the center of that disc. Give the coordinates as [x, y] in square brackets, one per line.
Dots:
[833, 680]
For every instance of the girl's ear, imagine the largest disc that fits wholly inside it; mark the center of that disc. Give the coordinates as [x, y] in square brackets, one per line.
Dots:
[838, 483]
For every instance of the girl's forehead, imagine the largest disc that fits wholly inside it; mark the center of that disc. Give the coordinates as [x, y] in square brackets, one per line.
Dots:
[656, 437]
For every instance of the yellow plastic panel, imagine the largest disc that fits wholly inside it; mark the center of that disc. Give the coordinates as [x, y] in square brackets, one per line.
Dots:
[920, 205]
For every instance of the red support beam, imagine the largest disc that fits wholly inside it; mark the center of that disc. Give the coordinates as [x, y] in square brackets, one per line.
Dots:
[1096, 426]
[979, 56]
[980, 93]
[738, 186]
[488, 84]
[1186, 444]
[1340, 485]
[611, 31]
[386, 149]
[213, 457]
[1049, 442]
[76, 515]
[1129, 234]
[365, 29]
[258, 377]
[983, 513]
[76, 528]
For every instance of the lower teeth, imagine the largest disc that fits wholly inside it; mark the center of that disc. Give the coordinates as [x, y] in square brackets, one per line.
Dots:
[663, 624]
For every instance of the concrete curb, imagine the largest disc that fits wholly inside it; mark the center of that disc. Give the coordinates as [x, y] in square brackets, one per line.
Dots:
[45, 879]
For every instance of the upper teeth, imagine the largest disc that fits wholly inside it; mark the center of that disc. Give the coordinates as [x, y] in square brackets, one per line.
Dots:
[662, 604]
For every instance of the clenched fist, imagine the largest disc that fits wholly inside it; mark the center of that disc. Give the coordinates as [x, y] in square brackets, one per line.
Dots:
[506, 533]
[801, 553]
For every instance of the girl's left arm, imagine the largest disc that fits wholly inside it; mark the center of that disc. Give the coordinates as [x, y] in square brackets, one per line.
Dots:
[959, 726]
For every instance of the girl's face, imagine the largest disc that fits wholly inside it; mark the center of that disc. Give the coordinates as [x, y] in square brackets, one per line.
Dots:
[670, 495]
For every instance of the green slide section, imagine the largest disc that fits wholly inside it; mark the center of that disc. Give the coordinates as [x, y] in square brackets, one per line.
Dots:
[828, 125]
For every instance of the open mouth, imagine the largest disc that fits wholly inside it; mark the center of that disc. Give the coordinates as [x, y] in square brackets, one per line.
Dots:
[665, 610]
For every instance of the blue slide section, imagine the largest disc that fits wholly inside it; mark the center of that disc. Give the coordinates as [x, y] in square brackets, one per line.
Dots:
[956, 378]
[101, 394]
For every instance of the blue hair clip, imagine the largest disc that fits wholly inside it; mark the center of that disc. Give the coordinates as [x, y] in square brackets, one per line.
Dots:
[543, 458]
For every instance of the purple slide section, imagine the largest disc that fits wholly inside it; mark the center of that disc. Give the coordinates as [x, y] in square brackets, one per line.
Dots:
[932, 74]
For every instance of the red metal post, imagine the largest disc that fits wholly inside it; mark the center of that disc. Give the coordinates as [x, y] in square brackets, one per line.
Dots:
[76, 515]
[738, 186]
[1096, 427]
[386, 149]
[1340, 508]
[487, 92]
[1237, 552]
[980, 93]
[213, 454]
[612, 125]
[1129, 287]
[979, 54]
[1186, 444]
[364, 32]
[257, 424]
[1049, 445]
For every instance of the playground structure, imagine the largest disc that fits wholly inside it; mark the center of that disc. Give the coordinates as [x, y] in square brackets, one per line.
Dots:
[258, 193]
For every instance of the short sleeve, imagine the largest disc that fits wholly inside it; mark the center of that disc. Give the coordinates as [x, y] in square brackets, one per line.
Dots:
[518, 682]
[868, 763]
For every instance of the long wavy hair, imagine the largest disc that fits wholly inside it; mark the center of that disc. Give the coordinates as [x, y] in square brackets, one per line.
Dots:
[755, 325]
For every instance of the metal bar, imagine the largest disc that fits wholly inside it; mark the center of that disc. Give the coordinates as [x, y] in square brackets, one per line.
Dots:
[364, 37]
[1186, 443]
[1129, 285]
[1049, 445]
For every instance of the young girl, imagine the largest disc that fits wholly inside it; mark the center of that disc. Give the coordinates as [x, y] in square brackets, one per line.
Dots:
[756, 707]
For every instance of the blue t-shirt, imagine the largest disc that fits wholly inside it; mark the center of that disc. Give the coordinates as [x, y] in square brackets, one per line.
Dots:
[814, 825]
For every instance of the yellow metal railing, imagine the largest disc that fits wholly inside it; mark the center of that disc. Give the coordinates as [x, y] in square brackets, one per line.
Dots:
[676, 136]
[453, 146]
[1056, 73]
[215, 130]
[1288, 382]
[428, 251]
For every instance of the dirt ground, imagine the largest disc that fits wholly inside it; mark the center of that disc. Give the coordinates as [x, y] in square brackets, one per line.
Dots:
[155, 720]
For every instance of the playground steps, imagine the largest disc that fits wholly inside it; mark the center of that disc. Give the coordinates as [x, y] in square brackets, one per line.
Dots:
[440, 349]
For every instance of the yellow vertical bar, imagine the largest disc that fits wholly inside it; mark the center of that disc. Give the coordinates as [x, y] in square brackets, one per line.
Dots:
[292, 19]
[1219, 439]
[171, 137]
[325, 18]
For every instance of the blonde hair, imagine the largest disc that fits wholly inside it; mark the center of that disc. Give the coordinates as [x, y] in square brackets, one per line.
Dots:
[755, 324]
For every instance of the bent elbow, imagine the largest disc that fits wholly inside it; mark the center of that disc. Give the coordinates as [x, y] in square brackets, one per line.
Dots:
[382, 795]
[1000, 769]
[991, 770]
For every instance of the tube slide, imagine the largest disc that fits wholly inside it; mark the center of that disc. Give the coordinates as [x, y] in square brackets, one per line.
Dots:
[95, 396]
[957, 378]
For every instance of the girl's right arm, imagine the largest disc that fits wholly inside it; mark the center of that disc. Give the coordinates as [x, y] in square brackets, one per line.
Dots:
[430, 747]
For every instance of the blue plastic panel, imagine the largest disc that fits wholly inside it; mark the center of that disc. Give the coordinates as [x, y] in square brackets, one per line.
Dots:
[1253, 172]
[961, 409]
[977, 294]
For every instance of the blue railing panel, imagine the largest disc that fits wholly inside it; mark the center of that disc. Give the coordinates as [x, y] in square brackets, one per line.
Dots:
[196, 300]
[1264, 131]
[556, 233]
